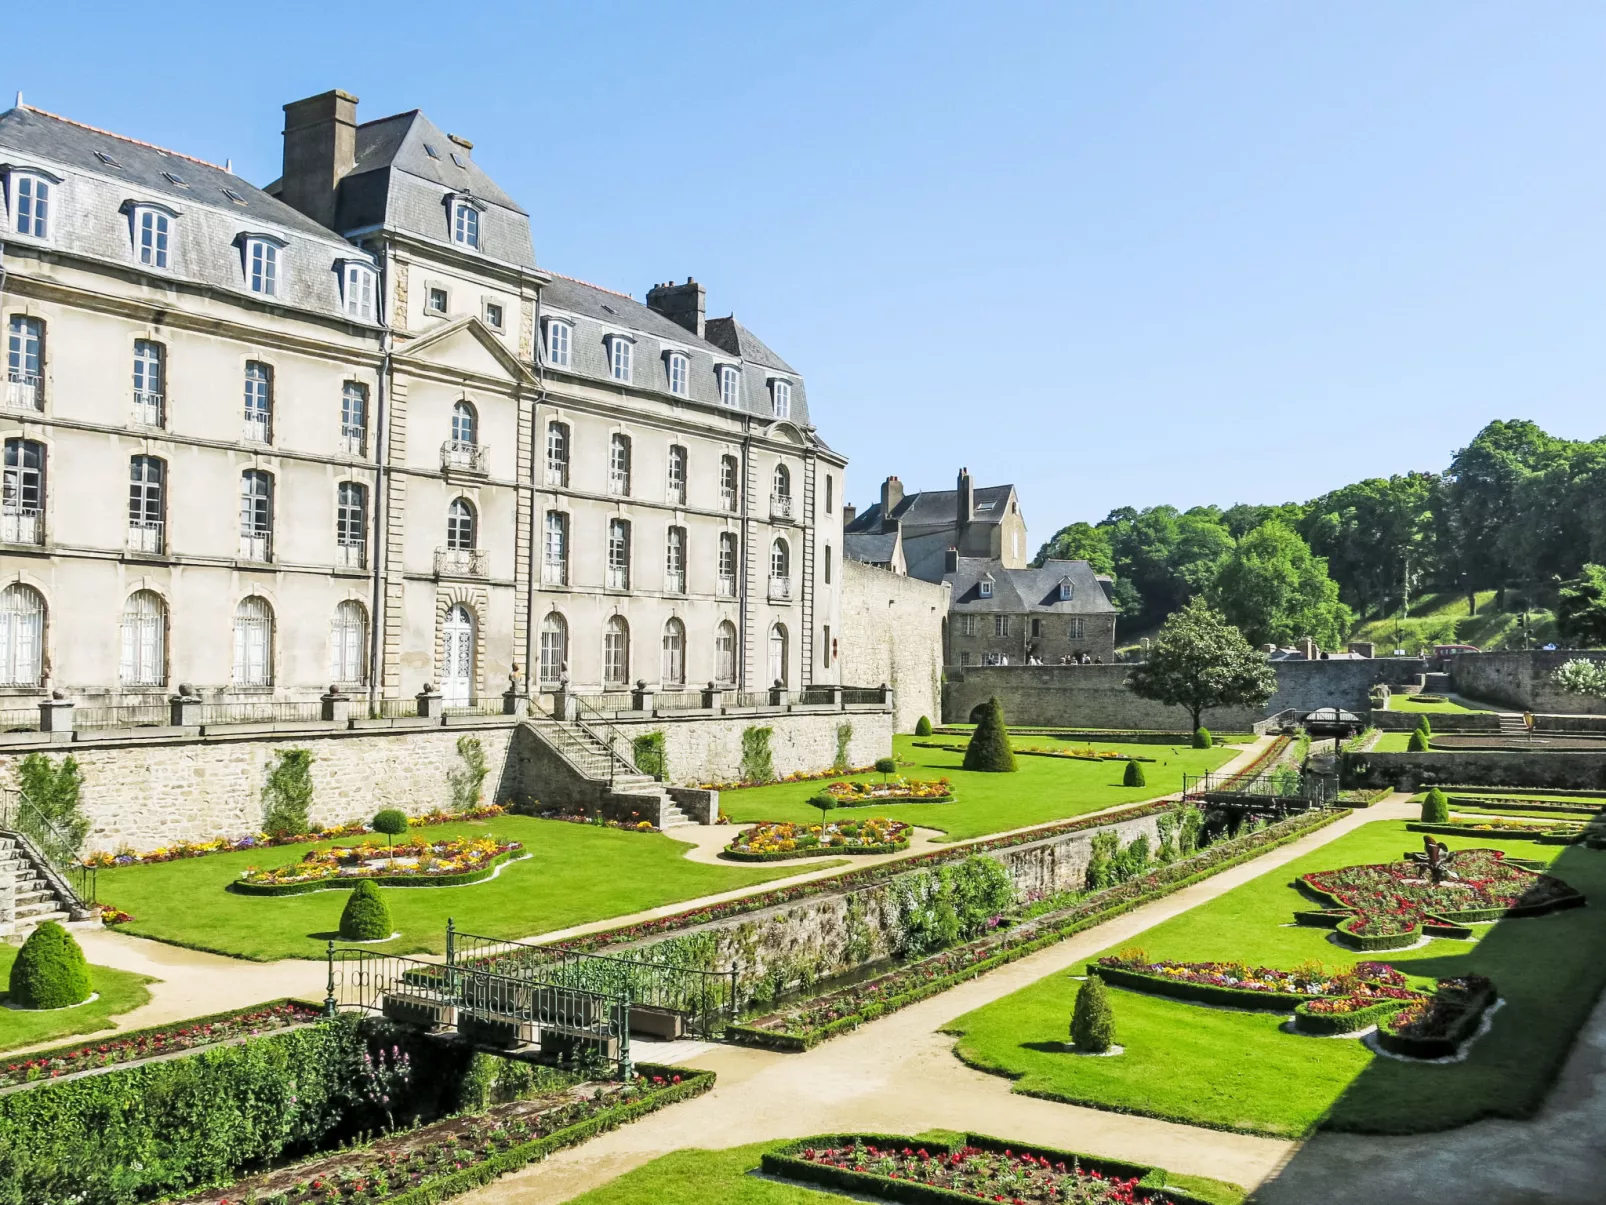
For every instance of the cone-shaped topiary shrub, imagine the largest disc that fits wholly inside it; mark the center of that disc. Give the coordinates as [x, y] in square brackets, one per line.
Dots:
[922, 727]
[1435, 807]
[1418, 742]
[1134, 776]
[1202, 738]
[1093, 1020]
[50, 971]
[366, 918]
[989, 747]
[1422, 725]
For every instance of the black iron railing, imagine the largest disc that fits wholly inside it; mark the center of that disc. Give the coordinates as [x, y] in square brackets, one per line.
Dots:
[52, 842]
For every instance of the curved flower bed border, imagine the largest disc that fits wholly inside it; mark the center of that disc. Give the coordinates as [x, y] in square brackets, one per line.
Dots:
[1435, 1028]
[1366, 976]
[839, 1011]
[795, 776]
[900, 831]
[849, 794]
[1555, 834]
[348, 882]
[1366, 1011]
[1513, 804]
[1089, 754]
[824, 1161]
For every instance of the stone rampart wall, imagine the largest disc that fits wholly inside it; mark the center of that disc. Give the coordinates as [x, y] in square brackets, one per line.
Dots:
[709, 749]
[892, 630]
[1521, 681]
[1410, 771]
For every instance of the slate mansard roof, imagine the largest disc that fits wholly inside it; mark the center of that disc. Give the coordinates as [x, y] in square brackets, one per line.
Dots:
[1020, 590]
[873, 548]
[931, 510]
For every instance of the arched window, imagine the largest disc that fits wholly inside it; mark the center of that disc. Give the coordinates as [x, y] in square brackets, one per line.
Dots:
[725, 653]
[465, 424]
[22, 493]
[778, 657]
[253, 642]
[554, 647]
[780, 559]
[348, 644]
[460, 524]
[22, 636]
[783, 481]
[616, 652]
[674, 667]
[457, 652]
[144, 639]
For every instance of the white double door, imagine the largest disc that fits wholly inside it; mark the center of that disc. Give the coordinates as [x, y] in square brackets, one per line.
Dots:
[457, 676]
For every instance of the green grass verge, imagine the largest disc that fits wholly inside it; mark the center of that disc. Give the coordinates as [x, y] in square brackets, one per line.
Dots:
[120, 992]
[1044, 789]
[556, 886]
[1392, 742]
[1238, 1071]
[1439, 707]
[1443, 618]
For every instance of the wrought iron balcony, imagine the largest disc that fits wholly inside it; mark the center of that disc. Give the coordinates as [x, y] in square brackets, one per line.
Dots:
[150, 409]
[145, 535]
[460, 456]
[461, 562]
[352, 556]
[24, 391]
[780, 588]
[22, 526]
[256, 546]
[780, 506]
[726, 587]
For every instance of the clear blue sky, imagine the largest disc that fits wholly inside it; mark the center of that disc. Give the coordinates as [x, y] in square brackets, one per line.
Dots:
[1114, 253]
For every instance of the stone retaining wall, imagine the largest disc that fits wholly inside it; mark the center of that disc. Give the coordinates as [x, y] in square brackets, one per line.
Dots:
[1409, 771]
[892, 633]
[1521, 681]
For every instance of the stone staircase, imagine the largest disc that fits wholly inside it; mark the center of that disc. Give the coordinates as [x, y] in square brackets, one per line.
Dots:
[608, 772]
[1511, 724]
[37, 893]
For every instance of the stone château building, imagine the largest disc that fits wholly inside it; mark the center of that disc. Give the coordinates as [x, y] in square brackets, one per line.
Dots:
[912, 533]
[1055, 614]
[345, 429]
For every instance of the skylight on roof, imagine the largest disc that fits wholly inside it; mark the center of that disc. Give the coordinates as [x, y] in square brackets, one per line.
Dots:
[176, 179]
[985, 505]
[609, 308]
[431, 151]
[458, 159]
[234, 196]
[107, 159]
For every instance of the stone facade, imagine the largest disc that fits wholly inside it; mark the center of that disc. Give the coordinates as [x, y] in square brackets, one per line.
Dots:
[892, 633]
[1521, 681]
[701, 750]
[1410, 771]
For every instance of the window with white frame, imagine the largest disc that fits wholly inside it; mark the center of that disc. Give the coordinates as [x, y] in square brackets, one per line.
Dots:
[780, 559]
[1078, 628]
[674, 659]
[436, 300]
[554, 647]
[253, 642]
[781, 398]
[22, 636]
[354, 417]
[1065, 591]
[32, 199]
[262, 266]
[144, 640]
[258, 402]
[557, 454]
[559, 336]
[967, 625]
[25, 357]
[460, 525]
[778, 659]
[493, 315]
[1000, 625]
[675, 561]
[730, 385]
[465, 424]
[359, 290]
[147, 503]
[621, 352]
[256, 515]
[725, 653]
[618, 554]
[22, 493]
[555, 549]
[153, 235]
[465, 224]
[679, 373]
[677, 474]
[727, 564]
[984, 588]
[351, 524]
[729, 482]
[782, 481]
[616, 651]
[150, 373]
[348, 644]
[619, 464]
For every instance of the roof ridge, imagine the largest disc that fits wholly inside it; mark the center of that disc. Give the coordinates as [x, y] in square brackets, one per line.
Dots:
[392, 117]
[576, 280]
[83, 125]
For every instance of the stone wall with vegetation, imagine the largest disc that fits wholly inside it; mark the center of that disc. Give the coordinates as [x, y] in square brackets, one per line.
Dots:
[892, 628]
[1408, 771]
[1521, 681]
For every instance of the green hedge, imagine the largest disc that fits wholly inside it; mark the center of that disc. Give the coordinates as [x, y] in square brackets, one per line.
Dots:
[1201, 993]
[349, 884]
[1327, 1024]
[1438, 1048]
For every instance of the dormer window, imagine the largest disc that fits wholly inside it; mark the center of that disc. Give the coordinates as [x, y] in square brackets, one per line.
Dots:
[153, 235]
[985, 587]
[679, 373]
[465, 224]
[263, 265]
[781, 398]
[32, 199]
[730, 385]
[359, 289]
[621, 352]
[1065, 590]
[558, 337]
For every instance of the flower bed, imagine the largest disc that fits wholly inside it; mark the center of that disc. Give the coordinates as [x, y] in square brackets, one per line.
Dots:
[163, 1039]
[1388, 906]
[229, 845]
[795, 776]
[1326, 1016]
[1088, 754]
[815, 1020]
[1546, 832]
[1265, 758]
[1580, 810]
[774, 841]
[897, 1168]
[1434, 1027]
[598, 820]
[442, 864]
[911, 790]
[1238, 985]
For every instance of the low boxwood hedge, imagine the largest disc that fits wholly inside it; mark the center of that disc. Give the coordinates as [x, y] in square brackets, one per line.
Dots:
[814, 851]
[1438, 1048]
[400, 880]
[1200, 993]
[1327, 1024]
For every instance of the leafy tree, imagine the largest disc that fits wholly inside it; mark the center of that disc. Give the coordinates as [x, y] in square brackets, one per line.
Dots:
[392, 822]
[1168, 557]
[1581, 608]
[1092, 1018]
[1199, 661]
[287, 795]
[1275, 591]
[1080, 542]
[55, 821]
[1378, 536]
[1243, 518]
[885, 766]
[1482, 497]
[989, 747]
[1581, 676]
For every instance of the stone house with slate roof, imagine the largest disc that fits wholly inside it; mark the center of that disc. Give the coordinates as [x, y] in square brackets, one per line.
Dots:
[345, 429]
[984, 522]
[1053, 614]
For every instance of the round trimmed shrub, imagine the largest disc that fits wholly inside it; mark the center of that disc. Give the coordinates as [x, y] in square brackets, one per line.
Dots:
[50, 971]
[1202, 738]
[989, 747]
[1133, 776]
[392, 822]
[1435, 807]
[366, 918]
[922, 727]
[1093, 1020]
[1418, 742]
[885, 766]
[825, 801]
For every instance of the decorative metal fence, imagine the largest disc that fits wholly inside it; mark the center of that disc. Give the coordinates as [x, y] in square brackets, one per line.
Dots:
[52, 842]
[139, 715]
[1284, 788]
[261, 713]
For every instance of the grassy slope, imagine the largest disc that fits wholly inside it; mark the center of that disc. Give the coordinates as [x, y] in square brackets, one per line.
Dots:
[1443, 619]
[1236, 1070]
[575, 874]
[697, 1177]
[120, 992]
[1042, 790]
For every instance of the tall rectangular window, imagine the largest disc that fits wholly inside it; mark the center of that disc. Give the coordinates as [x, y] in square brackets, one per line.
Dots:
[359, 288]
[465, 224]
[729, 479]
[262, 267]
[621, 353]
[147, 503]
[618, 554]
[150, 406]
[1000, 625]
[154, 229]
[730, 385]
[555, 552]
[256, 515]
[781, 397]
[22, 493]
[677, 474]
[727, 564]
[25, 353]
[557, 454]
[825, 648]
[557, 343]
[354, 417]
[830, 493]
[351, 524]
[675, 561]
[258, 402]
[1078, 628]
[30, 198]
[619, 464]
[679, 370]
[827, 561]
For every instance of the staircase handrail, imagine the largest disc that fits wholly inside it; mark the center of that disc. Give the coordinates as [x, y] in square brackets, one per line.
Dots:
[51, 848]
[590, 719]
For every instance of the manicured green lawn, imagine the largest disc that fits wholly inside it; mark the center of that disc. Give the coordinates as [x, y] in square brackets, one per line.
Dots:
[697, 1177]
[1236, 1070]
[1392, 742]
[1413, 704]
[120, 992]
[1044, 789]
[574, 874]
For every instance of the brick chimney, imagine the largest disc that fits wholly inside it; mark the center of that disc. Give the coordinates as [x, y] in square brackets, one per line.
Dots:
[320, 147]
[685, 305]
[891, 499]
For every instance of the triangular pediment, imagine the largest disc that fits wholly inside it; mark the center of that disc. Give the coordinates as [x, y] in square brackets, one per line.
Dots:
[466, 346]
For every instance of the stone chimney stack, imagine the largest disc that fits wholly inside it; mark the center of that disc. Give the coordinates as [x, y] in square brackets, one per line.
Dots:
[891, 499]
[849, 513]
[950, 561]
[965, 506]
[320, 147]
[685, 305]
